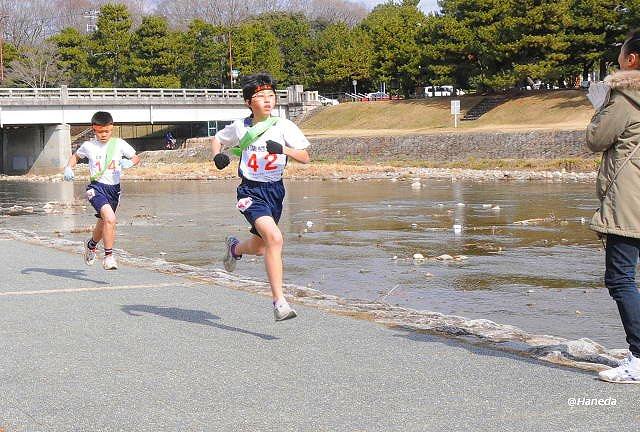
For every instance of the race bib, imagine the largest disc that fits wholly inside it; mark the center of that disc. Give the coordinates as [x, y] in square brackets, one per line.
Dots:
[244, 203]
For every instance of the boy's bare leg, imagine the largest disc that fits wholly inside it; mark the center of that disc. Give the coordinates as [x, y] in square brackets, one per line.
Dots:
[108, 226]
[251, 246]
[273, 241]
[97, 231]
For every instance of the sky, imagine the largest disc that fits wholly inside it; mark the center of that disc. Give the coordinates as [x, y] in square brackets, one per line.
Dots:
[425, 5]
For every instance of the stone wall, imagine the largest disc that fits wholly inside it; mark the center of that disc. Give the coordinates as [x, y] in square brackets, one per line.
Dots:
[455, 146]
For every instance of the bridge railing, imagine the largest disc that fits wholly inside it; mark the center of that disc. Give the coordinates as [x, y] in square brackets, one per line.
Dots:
[65, 93]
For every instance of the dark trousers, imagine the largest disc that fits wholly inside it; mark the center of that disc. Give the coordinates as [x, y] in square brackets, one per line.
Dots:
[620, 279]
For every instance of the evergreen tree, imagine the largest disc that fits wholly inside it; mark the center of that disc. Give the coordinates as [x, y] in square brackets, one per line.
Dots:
[110, 47]
[341, 55]
[73, 57]
[255, 49]
[293, 32]
[201, 56]
[154, 60]
[397, 51]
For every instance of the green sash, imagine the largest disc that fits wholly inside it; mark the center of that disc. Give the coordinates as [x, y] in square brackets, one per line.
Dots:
[253, 133]
[111, 147]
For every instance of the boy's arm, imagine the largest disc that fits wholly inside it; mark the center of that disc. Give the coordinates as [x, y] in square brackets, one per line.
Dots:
[221, 160]
[73, 161]
[216, 146]
[295, 143]
[129, 153]
[68, 169]
[301, 156]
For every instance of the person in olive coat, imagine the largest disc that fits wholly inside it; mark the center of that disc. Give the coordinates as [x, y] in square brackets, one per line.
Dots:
[615, 131]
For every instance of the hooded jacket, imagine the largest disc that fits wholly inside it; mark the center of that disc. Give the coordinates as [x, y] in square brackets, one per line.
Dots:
[615, 131]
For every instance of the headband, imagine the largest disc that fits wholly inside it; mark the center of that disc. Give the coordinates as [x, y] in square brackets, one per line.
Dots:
[263, 87]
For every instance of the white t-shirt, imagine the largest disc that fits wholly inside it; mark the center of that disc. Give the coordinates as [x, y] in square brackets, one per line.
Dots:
[256, 163]
[96, 152]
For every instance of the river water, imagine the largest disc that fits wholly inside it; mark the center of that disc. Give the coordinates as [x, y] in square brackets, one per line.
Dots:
[544, 276]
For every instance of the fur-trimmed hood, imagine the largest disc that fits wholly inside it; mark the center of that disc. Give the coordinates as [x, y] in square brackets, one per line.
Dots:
[624, 80]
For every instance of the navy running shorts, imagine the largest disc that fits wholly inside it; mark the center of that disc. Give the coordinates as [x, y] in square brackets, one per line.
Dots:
[100, 194]
[266, 200]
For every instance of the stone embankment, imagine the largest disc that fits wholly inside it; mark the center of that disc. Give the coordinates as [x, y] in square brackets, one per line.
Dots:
[535, 144]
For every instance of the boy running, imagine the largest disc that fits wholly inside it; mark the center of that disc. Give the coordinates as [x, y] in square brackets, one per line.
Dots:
[264, 142]
[106, 161]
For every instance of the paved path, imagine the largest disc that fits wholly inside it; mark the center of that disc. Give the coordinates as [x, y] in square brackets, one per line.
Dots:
[82, 349]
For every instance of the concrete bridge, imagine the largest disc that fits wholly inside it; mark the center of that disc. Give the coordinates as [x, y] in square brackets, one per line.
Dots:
[35, 122]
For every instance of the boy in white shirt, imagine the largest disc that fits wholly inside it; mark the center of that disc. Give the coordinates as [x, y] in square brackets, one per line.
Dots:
[264, 142]
[106, 162]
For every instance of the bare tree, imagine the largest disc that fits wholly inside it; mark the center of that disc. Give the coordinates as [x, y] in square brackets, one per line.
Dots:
[219, 12]
[231, 12]
[349, 12]
[29, 22]
[36, 67]
[21, 26]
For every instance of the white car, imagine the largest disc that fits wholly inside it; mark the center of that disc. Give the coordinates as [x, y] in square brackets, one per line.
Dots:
[444, 90]
[378, 95]
[327, 101]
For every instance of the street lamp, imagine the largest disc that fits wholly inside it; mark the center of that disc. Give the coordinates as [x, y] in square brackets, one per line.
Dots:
[234, 76]
[355, 86]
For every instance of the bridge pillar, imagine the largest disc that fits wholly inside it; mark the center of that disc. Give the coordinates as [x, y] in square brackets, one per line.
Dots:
[54, 151]
[301, 103]
[19, 148]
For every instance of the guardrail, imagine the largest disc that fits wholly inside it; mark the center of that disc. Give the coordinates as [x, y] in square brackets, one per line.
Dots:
[64, 93]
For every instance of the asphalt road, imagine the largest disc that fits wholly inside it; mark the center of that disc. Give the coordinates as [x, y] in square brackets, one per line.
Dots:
[82, 349]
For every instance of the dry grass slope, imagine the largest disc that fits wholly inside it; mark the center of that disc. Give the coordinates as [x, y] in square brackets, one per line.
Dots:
[568, 109]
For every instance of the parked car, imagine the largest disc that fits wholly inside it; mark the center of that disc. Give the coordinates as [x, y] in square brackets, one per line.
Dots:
[378, 96]
[327, 101]
[444, 90]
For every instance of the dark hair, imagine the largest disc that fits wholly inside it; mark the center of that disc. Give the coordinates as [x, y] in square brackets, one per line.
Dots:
[252, 84]
[631, 44]
[102, 118]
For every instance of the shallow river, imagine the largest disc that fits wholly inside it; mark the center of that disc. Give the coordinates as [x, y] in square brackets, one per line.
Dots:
[543, 276]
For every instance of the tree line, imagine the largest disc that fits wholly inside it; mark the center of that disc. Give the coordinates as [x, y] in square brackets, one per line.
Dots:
[482, 45]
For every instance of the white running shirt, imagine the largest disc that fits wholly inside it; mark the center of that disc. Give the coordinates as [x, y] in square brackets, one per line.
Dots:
[96, 152]
[256, 163]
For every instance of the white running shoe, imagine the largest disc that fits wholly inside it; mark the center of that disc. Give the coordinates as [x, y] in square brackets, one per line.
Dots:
[228, 260]
[109, 263]
[284, 312]
[89, 255]
[627, 373]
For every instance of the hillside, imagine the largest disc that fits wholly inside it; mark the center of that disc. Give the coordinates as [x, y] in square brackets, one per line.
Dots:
[567, 109]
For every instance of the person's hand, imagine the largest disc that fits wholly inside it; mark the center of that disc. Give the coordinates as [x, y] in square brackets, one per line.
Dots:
[68, 174]
[221, 160]
[126, 163]
[598, 94]
[274, 147]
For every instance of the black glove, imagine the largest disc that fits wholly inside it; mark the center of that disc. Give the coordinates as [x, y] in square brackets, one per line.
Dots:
[221, 160]
[274, 147]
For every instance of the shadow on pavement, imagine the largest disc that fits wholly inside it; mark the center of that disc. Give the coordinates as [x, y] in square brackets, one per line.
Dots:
[487, 351]
[64, 273]
[188, 315]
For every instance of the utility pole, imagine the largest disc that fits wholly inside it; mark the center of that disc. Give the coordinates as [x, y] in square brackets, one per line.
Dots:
[230, 60]
[2, 17]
